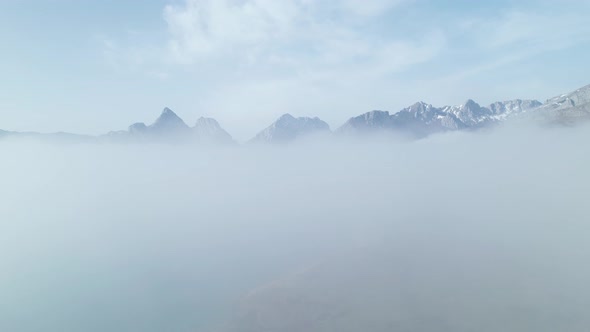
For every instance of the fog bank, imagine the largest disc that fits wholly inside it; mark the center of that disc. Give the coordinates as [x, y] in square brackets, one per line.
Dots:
[106, 237]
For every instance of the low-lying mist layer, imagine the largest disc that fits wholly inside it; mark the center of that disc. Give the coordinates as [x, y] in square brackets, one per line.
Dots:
[458, 232]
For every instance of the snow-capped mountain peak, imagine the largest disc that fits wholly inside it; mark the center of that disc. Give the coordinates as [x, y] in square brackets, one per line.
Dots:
[422, 119]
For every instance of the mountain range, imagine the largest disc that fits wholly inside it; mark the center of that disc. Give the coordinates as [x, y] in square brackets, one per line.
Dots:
[170, 128]
[416, 121]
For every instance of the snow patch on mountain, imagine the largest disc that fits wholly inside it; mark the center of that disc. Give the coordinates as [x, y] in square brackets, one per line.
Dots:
[422, 119]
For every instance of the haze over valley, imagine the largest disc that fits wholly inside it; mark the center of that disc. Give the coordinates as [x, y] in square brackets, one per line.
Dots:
[453, 232]
[294, 166]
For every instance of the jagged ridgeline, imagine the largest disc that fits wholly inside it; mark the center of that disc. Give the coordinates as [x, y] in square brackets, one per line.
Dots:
[416, 121]
[170, 128]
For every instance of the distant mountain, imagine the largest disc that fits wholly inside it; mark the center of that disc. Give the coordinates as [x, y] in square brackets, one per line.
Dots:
[422, 119]
[566, 109]
[288, 128]
[208, 130]
[170, 128]
[415, 121]
[503, 110]
[169, 124]
[368, 122]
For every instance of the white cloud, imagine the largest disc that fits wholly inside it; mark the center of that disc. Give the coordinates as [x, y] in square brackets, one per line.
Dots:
[265, 32]
[204, 27]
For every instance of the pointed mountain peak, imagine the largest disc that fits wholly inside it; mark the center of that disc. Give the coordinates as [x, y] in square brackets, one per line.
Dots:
[169, 122]
[166, 112]
[168, 115]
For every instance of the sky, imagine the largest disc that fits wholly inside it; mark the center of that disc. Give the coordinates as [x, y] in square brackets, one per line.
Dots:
[90, 66]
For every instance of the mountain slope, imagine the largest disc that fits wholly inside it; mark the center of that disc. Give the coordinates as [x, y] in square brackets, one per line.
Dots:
[208, 130]
[505, 109]
[288, 128]
[566, 109]
[423, 119]
[365, 123]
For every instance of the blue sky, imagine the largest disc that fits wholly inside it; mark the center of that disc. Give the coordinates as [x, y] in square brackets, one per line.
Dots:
[93, 66]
